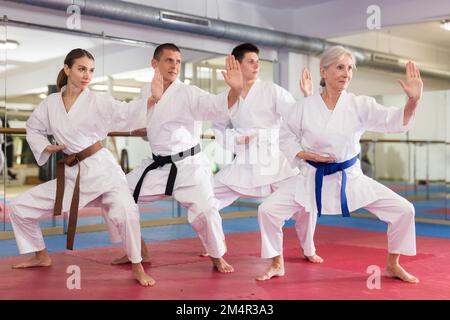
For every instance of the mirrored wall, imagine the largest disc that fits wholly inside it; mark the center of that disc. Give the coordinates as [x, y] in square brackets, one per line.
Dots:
[30, 59]
[415, 165]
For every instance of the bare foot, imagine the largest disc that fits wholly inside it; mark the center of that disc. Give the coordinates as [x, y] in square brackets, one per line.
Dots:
[143, 278]
[36, 261]
[398, 272]
[221, 265]
[144, 254]
[275, 270]
[125, 260]
[314, 259]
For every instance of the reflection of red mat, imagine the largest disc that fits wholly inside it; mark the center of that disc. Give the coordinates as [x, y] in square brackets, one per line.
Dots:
[87, 212]
[442, 211]
[181, 274]
[438, 211]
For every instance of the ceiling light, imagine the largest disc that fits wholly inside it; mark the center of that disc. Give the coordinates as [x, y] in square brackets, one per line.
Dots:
[445, 24]
[144, 78]
[99, 79]
[126, 89]
[36, 90]
[8, 44]
[99, 87]
[104, 87]
[20, 106]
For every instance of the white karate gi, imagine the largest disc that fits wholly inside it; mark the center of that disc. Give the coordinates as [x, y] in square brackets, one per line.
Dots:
[313, 127]
[259, 167]
[174, 125]
[102, 181]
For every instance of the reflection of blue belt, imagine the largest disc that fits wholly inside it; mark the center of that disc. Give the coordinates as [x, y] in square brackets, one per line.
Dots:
[325, 169]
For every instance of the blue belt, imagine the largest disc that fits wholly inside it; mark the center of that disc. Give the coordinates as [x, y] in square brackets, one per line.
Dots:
[325, 169]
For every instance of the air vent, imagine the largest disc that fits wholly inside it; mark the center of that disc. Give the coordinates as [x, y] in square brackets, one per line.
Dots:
[183, 19]
[384, 59]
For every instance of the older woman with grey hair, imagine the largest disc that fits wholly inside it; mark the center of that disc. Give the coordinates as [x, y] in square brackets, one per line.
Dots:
[322, 138]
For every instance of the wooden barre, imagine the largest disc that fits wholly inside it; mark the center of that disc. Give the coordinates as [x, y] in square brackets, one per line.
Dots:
[212, 137]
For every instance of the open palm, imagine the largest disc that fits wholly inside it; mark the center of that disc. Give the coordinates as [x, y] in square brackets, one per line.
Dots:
[233, 75]
[306, 85]
[413, 85]
[157, 85]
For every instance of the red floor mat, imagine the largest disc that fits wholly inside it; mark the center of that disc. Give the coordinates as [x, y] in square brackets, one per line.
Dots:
[181, 274]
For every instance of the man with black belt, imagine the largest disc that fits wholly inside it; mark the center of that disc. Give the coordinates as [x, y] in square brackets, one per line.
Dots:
[178, 167]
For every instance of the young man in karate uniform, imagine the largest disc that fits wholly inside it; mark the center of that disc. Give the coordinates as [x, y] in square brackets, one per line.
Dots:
[251, 133]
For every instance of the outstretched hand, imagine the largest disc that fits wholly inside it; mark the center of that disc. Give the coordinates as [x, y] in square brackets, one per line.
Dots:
[55, 148]
[157, 85]
[233, 75]
[413, 84]
[306, 85]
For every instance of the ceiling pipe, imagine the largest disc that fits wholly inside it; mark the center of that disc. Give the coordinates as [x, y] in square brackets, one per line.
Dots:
[166, 19]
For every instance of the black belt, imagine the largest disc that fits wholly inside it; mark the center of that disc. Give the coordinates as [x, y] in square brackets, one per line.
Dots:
[160, 161]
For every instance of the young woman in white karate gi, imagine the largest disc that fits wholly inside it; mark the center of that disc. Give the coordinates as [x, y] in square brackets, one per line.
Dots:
[324, 133]
[173, 127]
[252, 133]
[79, 119]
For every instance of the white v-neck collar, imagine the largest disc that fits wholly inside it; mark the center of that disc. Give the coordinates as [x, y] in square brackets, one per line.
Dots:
[169, 91]
[252, 90]
[324, 105]
[75, 103]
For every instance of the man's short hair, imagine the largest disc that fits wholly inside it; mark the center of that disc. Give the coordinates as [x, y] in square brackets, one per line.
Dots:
[165, 46]
[240, 51]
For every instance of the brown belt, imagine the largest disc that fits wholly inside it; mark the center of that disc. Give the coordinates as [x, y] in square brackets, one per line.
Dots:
[73, 159]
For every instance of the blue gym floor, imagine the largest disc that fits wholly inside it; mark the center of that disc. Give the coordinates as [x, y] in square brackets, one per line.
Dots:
[168, 209]
[236, 225]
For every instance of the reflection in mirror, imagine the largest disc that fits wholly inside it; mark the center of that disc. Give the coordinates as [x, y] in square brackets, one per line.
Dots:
[206, 73]
[410, 163]
[122, 69]
[3, 66]
[447, 158]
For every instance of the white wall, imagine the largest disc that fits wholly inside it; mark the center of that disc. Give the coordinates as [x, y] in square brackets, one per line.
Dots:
[398, 161]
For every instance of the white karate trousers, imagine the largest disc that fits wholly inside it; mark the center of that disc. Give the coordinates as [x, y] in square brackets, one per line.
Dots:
[391, 208]
[202, 211]
[120, 212]
[304, 223]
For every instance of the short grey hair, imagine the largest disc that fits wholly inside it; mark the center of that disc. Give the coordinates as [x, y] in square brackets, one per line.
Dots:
[332, 55]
